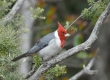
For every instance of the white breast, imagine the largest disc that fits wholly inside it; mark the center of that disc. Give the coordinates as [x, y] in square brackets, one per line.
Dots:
[52, 49]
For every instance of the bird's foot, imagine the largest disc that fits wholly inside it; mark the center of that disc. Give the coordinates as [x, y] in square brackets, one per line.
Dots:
[44, 63]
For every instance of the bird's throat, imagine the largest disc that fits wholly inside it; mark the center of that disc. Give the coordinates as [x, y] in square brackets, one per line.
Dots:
[62, 43]
[62, 40]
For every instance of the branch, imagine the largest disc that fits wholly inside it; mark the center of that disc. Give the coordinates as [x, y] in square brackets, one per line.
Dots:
[52, 0]
[30, 73]
[86, 70]
[82, 47]
[13, 11]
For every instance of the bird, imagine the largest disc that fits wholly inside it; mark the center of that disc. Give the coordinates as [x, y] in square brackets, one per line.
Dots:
[48, 46]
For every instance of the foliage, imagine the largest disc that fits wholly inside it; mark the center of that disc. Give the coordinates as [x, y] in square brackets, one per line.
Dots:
[4, 7]
[98, 6]
[9, 43]
[72, 27]
[67, 24]
[16, 22]
[55, 72]
[8, 70]
[37, 61]
[52, 72]
[8, 39]
[36, 13]
[9, 47]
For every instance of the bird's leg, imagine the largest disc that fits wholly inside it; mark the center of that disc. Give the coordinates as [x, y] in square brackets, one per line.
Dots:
[53, 57]
[44, 62]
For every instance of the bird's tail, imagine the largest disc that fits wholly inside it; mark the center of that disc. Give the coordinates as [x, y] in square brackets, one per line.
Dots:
[20, 56]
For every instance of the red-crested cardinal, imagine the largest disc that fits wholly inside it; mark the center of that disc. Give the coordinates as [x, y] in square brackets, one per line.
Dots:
[49, 45]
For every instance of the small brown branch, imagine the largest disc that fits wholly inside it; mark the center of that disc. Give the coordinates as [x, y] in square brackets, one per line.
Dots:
[82, 47]
[13, 11]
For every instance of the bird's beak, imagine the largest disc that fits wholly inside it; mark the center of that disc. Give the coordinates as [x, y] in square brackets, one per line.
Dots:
[66, 35]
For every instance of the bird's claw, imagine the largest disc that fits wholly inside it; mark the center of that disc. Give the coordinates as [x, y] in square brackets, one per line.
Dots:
[44, 63]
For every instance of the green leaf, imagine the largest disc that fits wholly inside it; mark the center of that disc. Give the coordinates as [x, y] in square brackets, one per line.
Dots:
[82, 55]
[67, 24]
[77, 39]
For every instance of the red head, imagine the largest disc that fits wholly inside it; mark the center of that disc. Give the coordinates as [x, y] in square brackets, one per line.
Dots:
[62, 33]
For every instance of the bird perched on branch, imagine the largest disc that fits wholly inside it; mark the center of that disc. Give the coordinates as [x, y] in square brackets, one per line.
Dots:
[49, 45]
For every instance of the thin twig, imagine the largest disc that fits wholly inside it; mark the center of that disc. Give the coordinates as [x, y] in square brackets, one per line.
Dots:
[82, 47]
[13, 11]
[86, 70]
[80, 16]
[30, 73]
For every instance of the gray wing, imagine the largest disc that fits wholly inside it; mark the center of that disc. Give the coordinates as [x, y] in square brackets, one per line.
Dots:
[43, 42]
